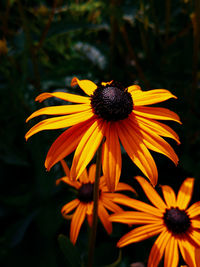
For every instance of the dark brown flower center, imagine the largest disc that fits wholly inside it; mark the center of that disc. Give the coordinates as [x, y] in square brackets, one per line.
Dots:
[176, 220]
[112, 102]
[85, 193]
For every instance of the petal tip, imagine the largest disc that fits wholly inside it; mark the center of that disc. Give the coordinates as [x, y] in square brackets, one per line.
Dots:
[74, 81]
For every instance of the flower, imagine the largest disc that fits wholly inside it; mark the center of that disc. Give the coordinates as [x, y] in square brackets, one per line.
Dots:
[113, 111]
[84, 201]
[178, 225]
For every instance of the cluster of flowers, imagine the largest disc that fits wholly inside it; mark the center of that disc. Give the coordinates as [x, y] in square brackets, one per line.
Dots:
[121, 114]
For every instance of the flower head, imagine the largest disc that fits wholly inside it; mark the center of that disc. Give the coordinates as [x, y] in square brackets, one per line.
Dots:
[177, 225]
[84, 201]
[116, 112]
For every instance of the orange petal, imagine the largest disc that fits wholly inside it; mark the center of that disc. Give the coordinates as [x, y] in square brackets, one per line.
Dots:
[84, 177]
[194, 210]
[138, 205]
[103, 215]
[92, 173]
[169, 196]
[158, 249]
[185, 193]
[151, 193]
[77, 221]
[125, 187]
[171, 253]
[70, 206]
[137, 151]
[59, 110]
[195, 236]
[64, 96]
[139, 234]
[87, 86]
[195, 223]
[135, 217]
[151, 97]
[87, 147]
[65, 167]
[111, 157]
[109, 204]
[156, 113]
[59, 122]
[66, 143]
[157, 127]
[68, 181]
[187, 251]
[156, 143]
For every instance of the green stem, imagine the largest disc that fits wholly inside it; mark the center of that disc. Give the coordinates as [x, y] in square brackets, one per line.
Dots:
[95, 207]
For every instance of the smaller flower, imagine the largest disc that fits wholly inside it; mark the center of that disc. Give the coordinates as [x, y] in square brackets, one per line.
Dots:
[178, 225]
[84, 201]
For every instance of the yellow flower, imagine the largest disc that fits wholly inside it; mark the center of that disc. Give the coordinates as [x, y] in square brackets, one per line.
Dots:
[119, 114]
[84, 201]
[177, 225]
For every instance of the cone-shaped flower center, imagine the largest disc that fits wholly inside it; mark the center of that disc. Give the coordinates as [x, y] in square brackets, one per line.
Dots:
[112, 102]
[176, 220]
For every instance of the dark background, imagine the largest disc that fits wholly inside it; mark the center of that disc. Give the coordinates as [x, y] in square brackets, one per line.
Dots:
[43, 45]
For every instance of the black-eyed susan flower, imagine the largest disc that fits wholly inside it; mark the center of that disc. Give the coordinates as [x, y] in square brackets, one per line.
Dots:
[118, 113]
[83, 203]
[177, 225]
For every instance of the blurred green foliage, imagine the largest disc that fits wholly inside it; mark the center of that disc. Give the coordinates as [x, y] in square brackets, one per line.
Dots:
[43, 44]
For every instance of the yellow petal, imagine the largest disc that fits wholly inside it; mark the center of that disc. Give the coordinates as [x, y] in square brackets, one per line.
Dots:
[87, 147]
[133, 89]
[151, 193]
[92, 173]
[185, 193]
[137, 151]
[169, 196]
[156, 143]
[59, 110]
[59, 122]
[66, 143]
[194, 210]
[65, 167]
[70, 206]
[87, 86]
[171, 253]
[155, 126]
[187, 251]
[109, 204]
[77, 221]
[158, 249]
[68, 181]
[151, 97]
[64, 96]
[84, 177]
[139, 234]
[138, 205]
[111, 157]
[135, 217]
[103, 215]
[156, 113]
[195, 223]
[195, 236]
[125, 187]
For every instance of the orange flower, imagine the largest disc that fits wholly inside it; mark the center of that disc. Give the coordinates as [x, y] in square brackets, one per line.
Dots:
[178, 225]
[84, 201]
[113, 111]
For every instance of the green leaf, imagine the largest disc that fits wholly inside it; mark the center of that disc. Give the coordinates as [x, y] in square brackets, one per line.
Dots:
[69, 250]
